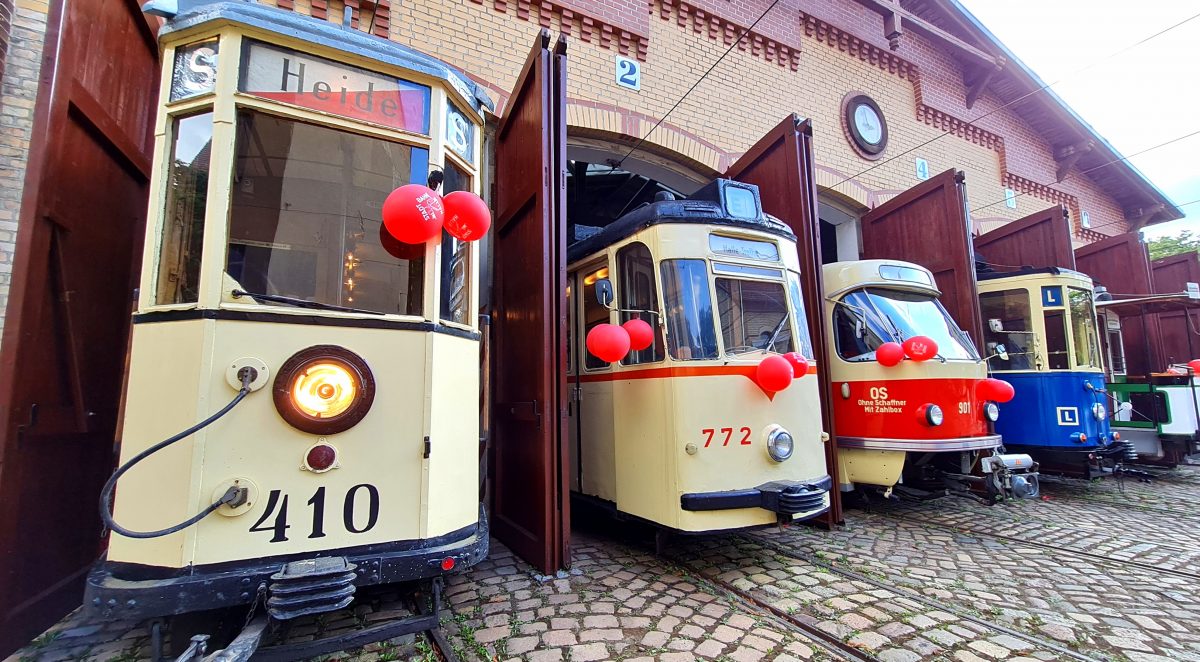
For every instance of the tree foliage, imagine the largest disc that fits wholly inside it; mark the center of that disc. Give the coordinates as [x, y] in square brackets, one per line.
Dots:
[1175, 244]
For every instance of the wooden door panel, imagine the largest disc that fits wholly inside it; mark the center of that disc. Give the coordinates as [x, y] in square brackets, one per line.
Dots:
[1122, 265]
[781, 165]
[1180, 331]
[529, 507]
[1042, 239]
[928, 225]
[67, 324]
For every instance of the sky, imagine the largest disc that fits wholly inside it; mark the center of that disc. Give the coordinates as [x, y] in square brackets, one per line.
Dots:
[1138, 97]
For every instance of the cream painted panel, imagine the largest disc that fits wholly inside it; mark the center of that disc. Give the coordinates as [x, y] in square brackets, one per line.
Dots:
[453, 466]
[872, 467]
[643, 435]
[598, 448]
[164, 382]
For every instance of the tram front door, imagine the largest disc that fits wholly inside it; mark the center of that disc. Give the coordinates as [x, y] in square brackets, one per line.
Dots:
[530, 505]
[928, 225]
[781, 165]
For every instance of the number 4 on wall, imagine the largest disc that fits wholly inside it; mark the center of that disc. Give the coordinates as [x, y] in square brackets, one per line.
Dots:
[629, 73]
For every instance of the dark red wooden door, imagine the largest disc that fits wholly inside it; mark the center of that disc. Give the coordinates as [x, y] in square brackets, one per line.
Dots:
[781, 165]
[927, 225]
[1042, 239]
[1122, 264]
[65, 335]
[1179, 330]
[529, 505]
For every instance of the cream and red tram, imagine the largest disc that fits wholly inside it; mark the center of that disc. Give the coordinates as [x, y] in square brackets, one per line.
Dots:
[350, 456]
[681, 434]
[921, 416]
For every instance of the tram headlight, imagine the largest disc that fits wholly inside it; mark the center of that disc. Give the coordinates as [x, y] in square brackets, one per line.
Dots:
[1099, 411]
[780, 444]
[324, 389]
[932, 415]
[992, 411]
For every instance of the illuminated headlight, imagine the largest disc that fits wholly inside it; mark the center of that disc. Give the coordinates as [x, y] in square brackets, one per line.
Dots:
[992, 411]
[1099, 411]
[780, 444]
[932, 415]
[324, 389]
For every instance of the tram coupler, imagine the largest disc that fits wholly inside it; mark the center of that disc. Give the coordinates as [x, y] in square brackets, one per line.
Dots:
[1014, 475]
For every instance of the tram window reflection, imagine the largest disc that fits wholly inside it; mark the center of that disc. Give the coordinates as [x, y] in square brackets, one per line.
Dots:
[800, 319]
[1083, 328]
[594, 313]
[1056, 340]
[638, 293]
[187, 196]
[754, 315]
[456, 257]
[1011, 307]
[691, 334]
[897, 315]
[306, 220]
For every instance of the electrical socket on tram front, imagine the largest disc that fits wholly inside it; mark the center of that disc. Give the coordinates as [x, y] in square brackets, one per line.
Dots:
[257, 368]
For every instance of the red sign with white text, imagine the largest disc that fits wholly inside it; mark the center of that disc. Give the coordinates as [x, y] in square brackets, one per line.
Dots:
[891, 409]
[333, 87]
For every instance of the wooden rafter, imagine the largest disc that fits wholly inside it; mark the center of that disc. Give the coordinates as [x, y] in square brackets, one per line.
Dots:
[894, 15]
[1140, 217]
[1067, 157]
[983, 76]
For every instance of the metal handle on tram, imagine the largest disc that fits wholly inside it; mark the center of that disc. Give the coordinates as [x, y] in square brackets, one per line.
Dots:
[234, 496]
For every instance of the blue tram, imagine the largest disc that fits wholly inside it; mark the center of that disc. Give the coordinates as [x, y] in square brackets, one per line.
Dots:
[1040, 336]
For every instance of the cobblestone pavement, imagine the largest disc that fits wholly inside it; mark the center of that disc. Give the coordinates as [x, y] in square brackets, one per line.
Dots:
[948, 579]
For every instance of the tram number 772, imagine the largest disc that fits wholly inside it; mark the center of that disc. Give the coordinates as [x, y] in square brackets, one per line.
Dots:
[277, 505]
[727, 435]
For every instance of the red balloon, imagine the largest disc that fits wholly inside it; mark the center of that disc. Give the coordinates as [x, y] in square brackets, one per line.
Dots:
[1194, 364]
[996, 389]
[399, 249]
[413, 214]
[608, 342]
[798, 362]
[467, 215]
[889, 354]
[920, 348]
[774, 374]
[641, 334]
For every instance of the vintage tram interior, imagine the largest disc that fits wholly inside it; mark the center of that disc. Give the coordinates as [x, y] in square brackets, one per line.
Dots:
[350, 361]
[921, 425]
[679, 434]
[1042, 337]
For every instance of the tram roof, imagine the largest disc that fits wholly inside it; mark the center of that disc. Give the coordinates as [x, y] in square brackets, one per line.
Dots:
[703, 207]
[841, 277]
[193, 13]
[1030, 271]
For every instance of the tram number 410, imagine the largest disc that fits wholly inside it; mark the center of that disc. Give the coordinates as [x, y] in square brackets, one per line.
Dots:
[277, 506]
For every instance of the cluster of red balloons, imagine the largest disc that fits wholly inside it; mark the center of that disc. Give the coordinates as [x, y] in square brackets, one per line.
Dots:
[995, 389]
[776, 372]
[414, 214]
[610, 343]
[917, 348]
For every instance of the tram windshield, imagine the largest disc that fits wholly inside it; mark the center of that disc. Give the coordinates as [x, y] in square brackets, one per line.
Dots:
[306, 217]
[867, 318]
[754, 316]
[1083, 328]
[1014, 319]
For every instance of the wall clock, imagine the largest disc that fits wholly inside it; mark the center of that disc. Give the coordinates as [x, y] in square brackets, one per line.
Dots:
[865, 125]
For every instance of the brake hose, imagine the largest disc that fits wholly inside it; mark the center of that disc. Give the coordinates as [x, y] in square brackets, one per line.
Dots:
[233, 495]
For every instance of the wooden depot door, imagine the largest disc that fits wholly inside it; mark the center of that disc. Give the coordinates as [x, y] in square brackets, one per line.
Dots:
[530, 503]
[1121, 264]
[1179, 330]
[928, 225]
[781, 165]
[1040, 240]
[67, 323]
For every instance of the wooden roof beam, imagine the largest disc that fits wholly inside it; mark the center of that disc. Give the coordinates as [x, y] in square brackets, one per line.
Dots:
[898, 15]
[983, 76]
[1067, 157]
[1141, 217]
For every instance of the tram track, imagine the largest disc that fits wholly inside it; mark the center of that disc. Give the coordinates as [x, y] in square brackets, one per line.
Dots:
[916, 597]
[1055, 548]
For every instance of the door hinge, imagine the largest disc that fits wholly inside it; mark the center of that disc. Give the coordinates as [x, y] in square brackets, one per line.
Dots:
[427, 448]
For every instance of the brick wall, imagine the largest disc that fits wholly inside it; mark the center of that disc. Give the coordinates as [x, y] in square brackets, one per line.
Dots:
[20, 66]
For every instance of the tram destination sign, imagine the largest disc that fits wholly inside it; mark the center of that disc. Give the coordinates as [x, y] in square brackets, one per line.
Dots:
[332, 87]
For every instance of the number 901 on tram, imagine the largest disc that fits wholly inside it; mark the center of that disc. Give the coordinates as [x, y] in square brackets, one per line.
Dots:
[334, 372]
[713, 422]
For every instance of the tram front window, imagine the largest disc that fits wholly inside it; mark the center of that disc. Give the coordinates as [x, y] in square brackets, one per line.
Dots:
[306, 220]
[867, 318]
[187, 198]
[688, 311]
[754, 316]
[1011, 309]
[1083, 328]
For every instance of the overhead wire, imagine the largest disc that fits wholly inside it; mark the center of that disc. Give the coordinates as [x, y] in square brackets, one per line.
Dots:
[1021, 98]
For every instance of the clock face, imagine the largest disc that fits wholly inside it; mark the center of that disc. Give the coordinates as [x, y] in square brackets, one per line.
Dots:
[866, 120]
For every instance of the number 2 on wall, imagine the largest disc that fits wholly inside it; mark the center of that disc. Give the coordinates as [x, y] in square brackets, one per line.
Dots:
[629, 73]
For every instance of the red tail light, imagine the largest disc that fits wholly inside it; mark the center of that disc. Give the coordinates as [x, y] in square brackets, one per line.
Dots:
[448, 563]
